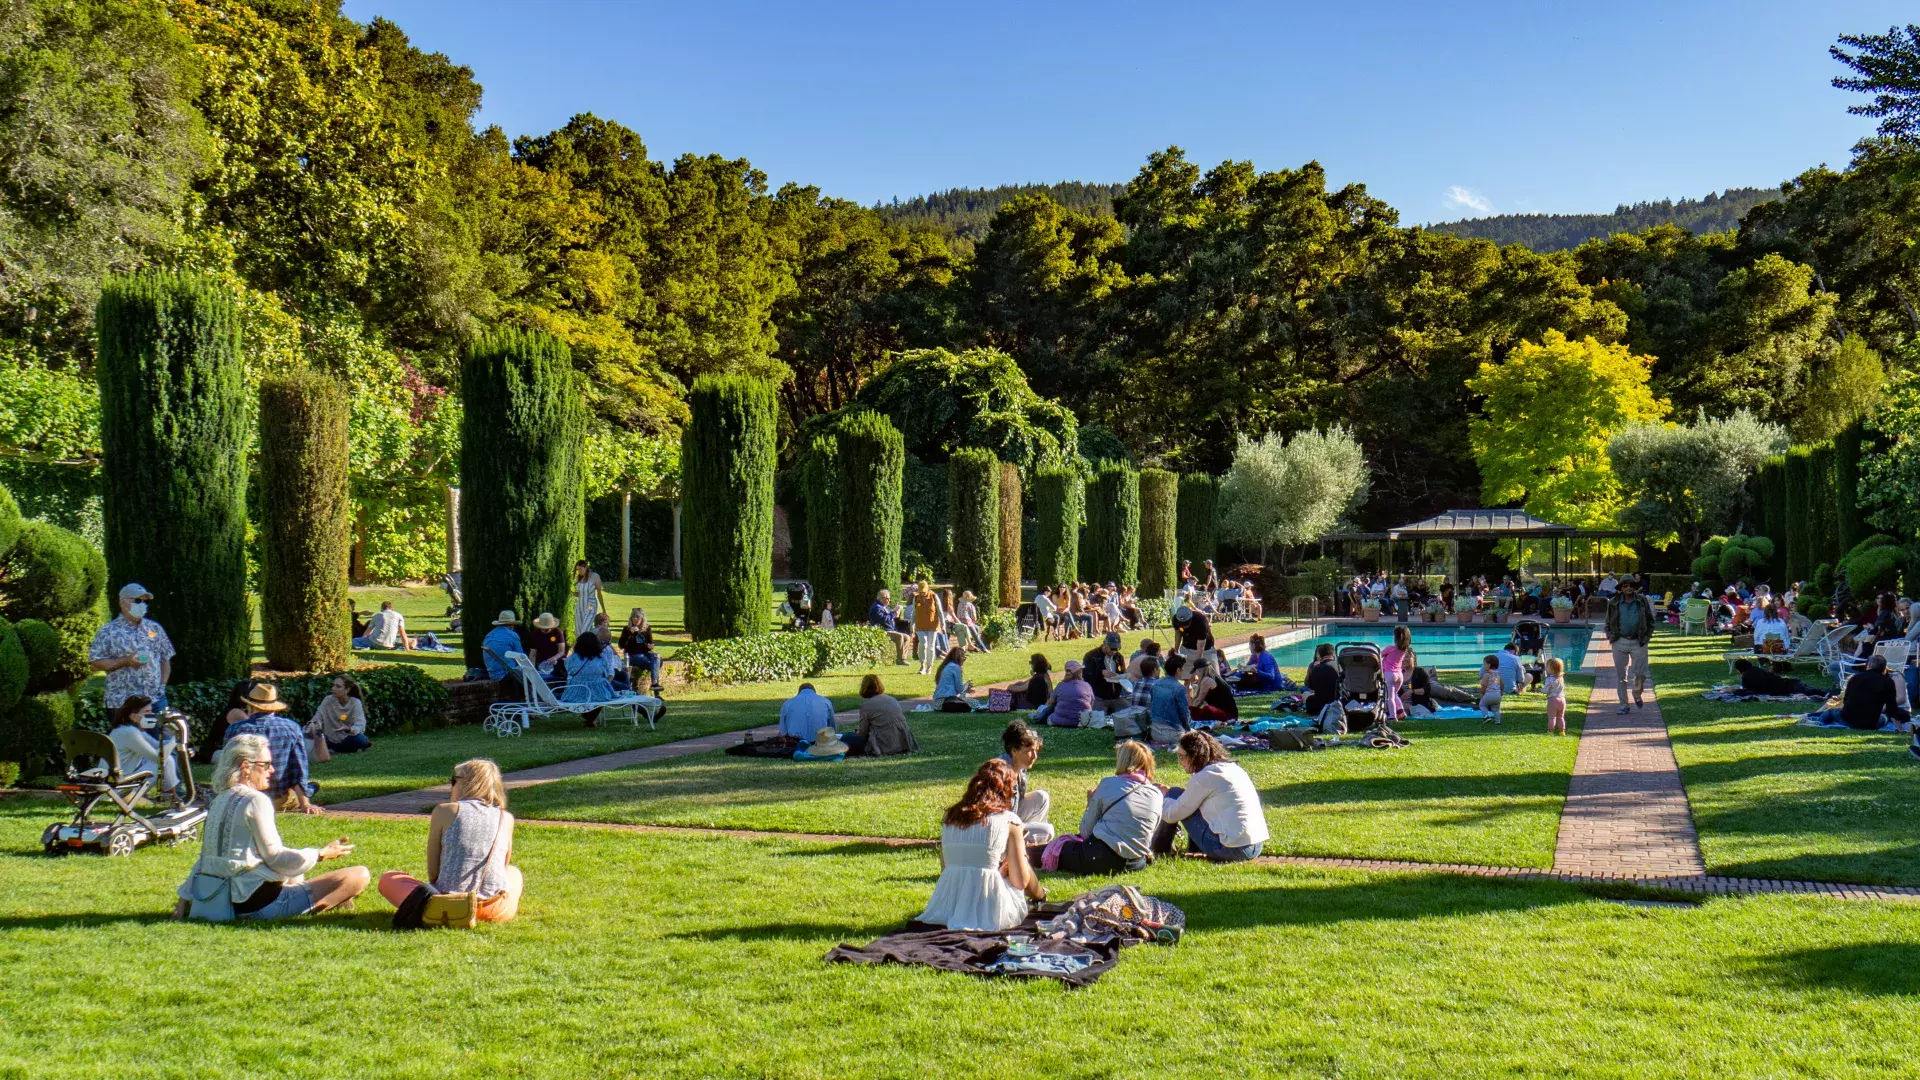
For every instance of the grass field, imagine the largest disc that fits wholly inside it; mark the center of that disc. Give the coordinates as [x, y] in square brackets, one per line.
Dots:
[1774, 800]
[674, 956]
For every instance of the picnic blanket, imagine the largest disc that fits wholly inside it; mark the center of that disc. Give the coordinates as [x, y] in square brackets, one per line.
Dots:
[1817, 720]
[780, 746]
[983, 952]
[1735, 693]
[1450, 712]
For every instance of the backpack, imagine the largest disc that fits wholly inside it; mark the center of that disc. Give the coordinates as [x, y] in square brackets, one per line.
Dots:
[1290, 738]
[1131, 723]
[1332, 719]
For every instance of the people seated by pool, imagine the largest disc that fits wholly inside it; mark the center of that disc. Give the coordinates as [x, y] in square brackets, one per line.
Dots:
[1323, 680]
[504, 638]
[144, 744]
[244, 871]
[881, 614]
[883, 730]
[1420, 699]
[1122, 816]
[291, 785]
[1148, 648]
[805, 713]
[1755, 679]
[341, 718]
[950, 684]
[986, 882]
[1168, 707]
[1261, 672]
[1022, 745]
[469, 849]
[1219, 806]
[1069, 703]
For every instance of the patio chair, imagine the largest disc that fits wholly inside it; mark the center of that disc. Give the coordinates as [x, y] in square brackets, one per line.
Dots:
[1897, 652]
[1696, 613]
[541, 701]
[1804, 649]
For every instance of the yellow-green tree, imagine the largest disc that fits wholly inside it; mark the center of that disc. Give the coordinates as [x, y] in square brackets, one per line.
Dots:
[1546, 415]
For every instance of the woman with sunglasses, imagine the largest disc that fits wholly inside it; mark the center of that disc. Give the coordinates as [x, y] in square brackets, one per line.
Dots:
[244, 871]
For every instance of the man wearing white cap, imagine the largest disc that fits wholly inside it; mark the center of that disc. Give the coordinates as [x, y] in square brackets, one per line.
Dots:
[134, 651]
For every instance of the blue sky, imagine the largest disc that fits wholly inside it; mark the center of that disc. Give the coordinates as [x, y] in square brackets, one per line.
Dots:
[1444, 110]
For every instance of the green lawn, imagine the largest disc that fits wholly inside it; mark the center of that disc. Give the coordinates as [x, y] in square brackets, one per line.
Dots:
[672, 956]
[1774, 800]
[1462, 793]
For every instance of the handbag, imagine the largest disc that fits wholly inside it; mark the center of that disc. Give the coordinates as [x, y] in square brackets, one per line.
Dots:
[999, 699]
[426, 909]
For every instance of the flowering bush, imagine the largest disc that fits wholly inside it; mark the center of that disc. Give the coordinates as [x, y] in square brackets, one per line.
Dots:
[1156, 612]
[999, 627]
[1563, 603]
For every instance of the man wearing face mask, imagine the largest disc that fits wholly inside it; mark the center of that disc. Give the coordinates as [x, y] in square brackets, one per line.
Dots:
[134, 652]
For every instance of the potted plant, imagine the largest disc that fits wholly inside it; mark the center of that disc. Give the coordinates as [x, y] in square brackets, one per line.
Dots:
[1370, 609]
[1562, 609]
[1464, 608]
[1432, 611]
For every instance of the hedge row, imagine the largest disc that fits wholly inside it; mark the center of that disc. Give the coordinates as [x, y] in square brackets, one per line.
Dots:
[1058, 502]
[819, 489]
[872, 460]
[1008, 593]
[1199, 496]
[1159, 513]
[1799, 560]
[399, 698]
[1773, 508]
[794, 655]
[1110, 549]
[973, 502]
[727, 464]
[1847, 448]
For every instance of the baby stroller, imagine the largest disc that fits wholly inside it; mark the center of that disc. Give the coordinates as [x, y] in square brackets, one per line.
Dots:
[88, 787]
[1363, 684]
[451, 583]
[1530, 637]
[800, 605]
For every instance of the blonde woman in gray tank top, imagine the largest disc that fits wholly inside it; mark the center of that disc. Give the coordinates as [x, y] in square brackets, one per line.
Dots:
[469, 846]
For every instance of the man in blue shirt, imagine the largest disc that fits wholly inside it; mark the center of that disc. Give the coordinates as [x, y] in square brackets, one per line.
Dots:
[881, 615]
[805, 713]
[501, 640]
[289, 787]
[1511, 675]
[1168, 708]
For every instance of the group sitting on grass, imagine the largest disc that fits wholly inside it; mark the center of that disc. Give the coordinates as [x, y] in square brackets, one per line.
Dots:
[807, 722]
[387, 629]
[597, 665]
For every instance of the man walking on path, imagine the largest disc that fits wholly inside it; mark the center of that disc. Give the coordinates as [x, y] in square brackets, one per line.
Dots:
[1629, 629]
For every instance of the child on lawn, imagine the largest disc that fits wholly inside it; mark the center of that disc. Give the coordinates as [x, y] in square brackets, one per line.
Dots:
[1556, 687]
[1490, 687]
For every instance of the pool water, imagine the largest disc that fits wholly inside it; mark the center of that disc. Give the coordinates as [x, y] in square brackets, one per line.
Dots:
[1440, 645]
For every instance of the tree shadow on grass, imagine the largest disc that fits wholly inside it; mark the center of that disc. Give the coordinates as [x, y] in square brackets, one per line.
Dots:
[790, 931]
[1881, 968]
[1386, 897]
[359, 919]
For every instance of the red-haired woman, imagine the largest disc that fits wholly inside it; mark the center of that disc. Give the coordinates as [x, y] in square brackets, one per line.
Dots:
[985, 880]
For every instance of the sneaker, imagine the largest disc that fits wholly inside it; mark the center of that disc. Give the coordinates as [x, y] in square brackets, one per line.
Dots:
[1624, 710]
[1638, 703]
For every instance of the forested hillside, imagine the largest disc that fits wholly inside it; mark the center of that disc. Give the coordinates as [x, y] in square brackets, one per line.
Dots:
[966, 212]
[1564, 232]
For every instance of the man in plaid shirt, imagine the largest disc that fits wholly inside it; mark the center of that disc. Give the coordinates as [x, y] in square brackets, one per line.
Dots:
[289, 787]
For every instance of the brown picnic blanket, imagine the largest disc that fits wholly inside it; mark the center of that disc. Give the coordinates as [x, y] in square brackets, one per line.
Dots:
[982, 952]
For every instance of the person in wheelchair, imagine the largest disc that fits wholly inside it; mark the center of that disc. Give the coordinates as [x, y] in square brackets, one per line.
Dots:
[133, 734]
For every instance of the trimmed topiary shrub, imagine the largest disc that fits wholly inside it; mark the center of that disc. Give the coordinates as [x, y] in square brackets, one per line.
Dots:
[11, 523]
[873, 459]
[1159, 515]
[1058, 499]
[973, 502]
[41, 643]
[1110, 548]
[16, 669]
[1847, 447]
[306, 523]
[522, 488]
[726, 484]
[1008, 593]
[175, 423]
[1199, 497]
[766, 657]
[1800, 556]
[52, 572]
[30, 733]
[1873, 566]
[1726, 559]
[818, 483]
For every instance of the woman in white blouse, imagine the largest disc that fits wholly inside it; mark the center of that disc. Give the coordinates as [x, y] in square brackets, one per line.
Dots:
[985, 879]
[244, 872]
[1219, 805]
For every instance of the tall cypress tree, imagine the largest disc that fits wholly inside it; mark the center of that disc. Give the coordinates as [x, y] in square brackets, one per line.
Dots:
[727, 459]
[1010, 515]
[1110, 549]
[873, 461]
[1847, 447]
[973, 505]
[1159, 514]
[523, 512]
[817, 484]
[1773, 509]
[174, 425]
[1824, 505]
[306, 523]
[1199, 496]
[1058, 499]
[1800, 562]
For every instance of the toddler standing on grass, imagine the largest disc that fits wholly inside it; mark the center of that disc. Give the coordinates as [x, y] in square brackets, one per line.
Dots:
[1556, 687]
[1490, 688]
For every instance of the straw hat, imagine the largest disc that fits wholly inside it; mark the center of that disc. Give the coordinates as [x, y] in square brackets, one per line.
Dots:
[265, 697]
[826, 743]
[545, 621]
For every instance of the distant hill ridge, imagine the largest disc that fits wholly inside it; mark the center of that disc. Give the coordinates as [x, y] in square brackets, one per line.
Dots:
[965, 212]
[1559, 232]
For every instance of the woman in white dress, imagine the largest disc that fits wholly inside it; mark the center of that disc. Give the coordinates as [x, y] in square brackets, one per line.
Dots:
[589, 599]
[985, 879]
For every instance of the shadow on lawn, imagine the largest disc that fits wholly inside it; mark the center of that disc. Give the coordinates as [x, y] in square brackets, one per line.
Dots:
[1397, 897]
[791, 931]
[1415, 786]
[1885, 968]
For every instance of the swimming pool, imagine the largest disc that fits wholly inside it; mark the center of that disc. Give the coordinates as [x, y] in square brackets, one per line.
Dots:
[1440, 645]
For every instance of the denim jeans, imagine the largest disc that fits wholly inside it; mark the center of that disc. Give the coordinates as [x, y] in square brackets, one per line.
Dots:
[352, 744]
[1200, 837]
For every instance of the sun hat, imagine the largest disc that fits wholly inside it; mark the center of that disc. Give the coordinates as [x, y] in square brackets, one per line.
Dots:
[545, 621]
[133, 590]
[265, 697]
[826, 743]
[507, 618]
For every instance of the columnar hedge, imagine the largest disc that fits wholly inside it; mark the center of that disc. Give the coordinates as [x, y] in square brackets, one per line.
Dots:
[1058, 498]
[818, 484]
[306, 521]
[1822, 484]
[1199, 495]
[174, 427]
[973, 502]
[522, 485]
[727, 459]
[1847, 447]
[1010, 515]
[1800, 563]
[873, 459]
[1773, 510]
[1159, 513]
[1110, 550]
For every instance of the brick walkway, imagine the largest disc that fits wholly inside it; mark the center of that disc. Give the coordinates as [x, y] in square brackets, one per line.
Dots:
[1626, 813]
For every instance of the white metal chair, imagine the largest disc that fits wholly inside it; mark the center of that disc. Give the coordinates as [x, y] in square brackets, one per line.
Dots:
[1805, 648]
[510, 718]
[1897, 652]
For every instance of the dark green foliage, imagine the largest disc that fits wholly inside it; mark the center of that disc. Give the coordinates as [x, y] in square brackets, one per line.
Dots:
[11, 523]
[1562, 232]
[306, 523]
[1823, 506]
[1847, 447]
[1199, 496]
[1059, 503]
[51, 573]
[30, 733]
[873, 460]
[652, 545]
[1159, 514]
[727, 462]
[942, 401]
[925, 538]
[966, 212]
[16, 669]
[1008, 593]
[1823, 579]
[174, 429]
[973, 506]
[1098, 443]
[522, 491]
[76, 639]
[818, 486]
[41, 644]
[786, 656]
[1873, 566]
[1110, 549]
[1726, 559]
[1800, 559]
[1772, 483]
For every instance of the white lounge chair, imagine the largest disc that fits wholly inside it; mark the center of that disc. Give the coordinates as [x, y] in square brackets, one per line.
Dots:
[1804, 650]
[512, 717]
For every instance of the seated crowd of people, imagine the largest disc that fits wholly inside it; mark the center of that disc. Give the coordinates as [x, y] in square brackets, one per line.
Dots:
[597, 665]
